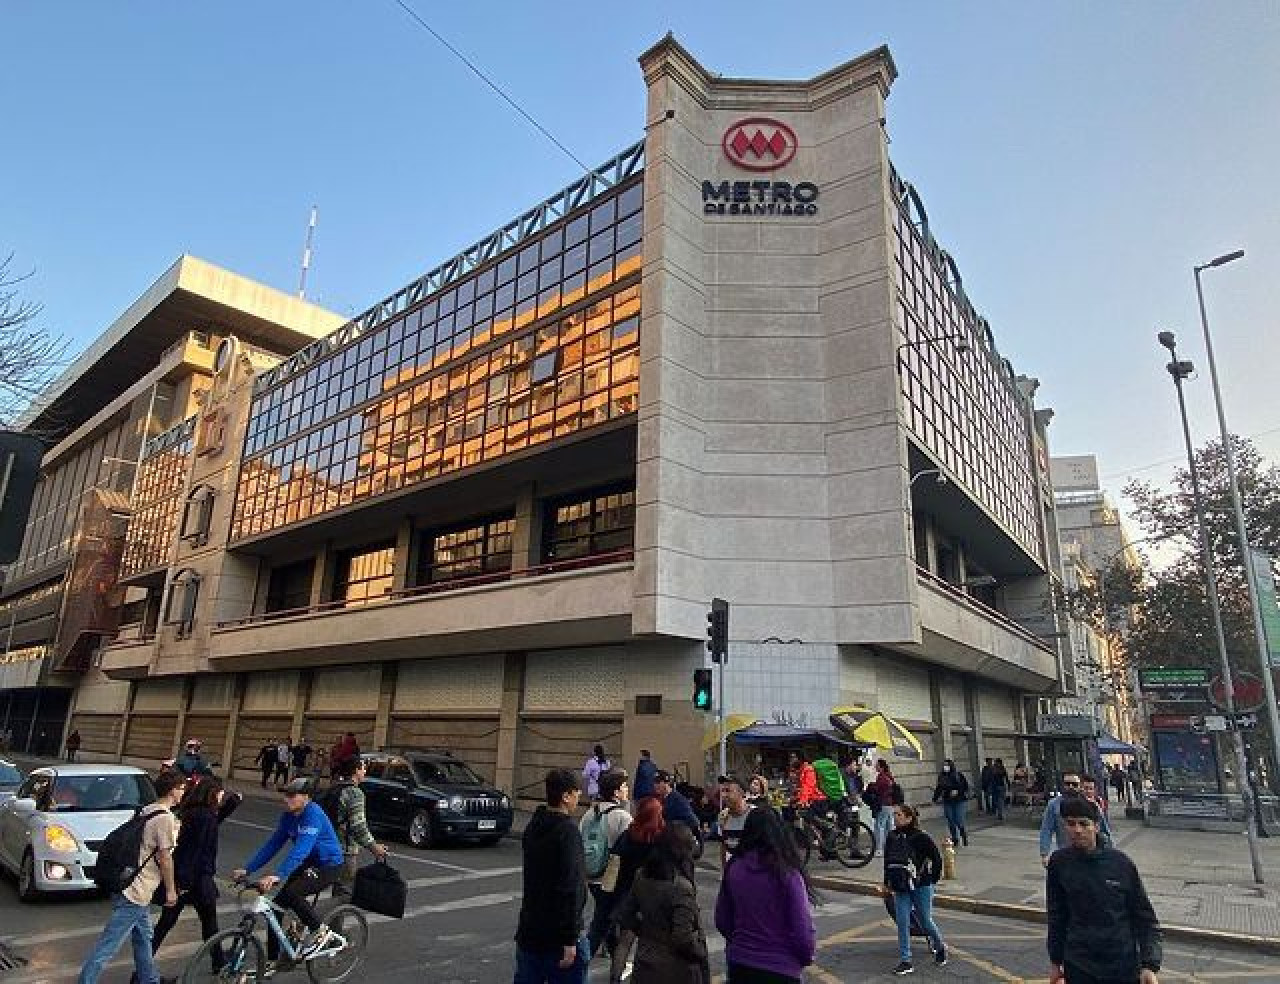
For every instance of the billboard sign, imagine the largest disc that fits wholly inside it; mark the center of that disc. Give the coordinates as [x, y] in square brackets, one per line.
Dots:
[1265, 581]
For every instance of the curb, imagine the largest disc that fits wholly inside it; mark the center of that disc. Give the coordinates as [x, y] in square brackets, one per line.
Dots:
[1035, 914]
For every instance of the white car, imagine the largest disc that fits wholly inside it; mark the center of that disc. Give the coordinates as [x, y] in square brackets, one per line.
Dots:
[10, 779]
[51, 831]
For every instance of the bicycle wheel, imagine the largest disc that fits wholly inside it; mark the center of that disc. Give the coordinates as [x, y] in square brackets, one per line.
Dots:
[242, 960]
[333, 965]
[855, 846]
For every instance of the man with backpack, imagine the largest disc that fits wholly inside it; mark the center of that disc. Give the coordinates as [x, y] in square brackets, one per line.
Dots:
[343, 803]
[600, 827]
[135, 859]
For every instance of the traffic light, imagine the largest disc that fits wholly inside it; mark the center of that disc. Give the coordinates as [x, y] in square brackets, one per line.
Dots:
[718, 630]
[702, 689]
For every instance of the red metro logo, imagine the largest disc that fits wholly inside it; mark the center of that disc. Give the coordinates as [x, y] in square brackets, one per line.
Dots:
[759, 144]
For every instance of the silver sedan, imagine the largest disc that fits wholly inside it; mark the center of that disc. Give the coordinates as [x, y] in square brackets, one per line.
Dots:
[51, 831]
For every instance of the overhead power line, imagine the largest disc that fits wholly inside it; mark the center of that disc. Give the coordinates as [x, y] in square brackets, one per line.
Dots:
[1182, 458]
[479, 73]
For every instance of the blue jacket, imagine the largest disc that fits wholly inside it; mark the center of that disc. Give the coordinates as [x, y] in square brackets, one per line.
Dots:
[1052, 827]
[677, 809]
[314, 842]
[646, 769]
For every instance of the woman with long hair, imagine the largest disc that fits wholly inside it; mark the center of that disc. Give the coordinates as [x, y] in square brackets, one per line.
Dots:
[204, 806]
[660, 914]
[912, 867]
[633, 847]
[765, 907]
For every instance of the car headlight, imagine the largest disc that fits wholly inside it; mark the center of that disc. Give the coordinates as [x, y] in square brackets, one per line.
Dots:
[457, 804]
[59, 838]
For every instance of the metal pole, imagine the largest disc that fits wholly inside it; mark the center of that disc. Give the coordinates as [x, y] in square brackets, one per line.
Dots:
[1242, 532]
[1176, 370]
[724, 662]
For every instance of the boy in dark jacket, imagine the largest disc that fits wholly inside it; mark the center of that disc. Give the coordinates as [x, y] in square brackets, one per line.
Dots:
[550, 945]
[1102, 928]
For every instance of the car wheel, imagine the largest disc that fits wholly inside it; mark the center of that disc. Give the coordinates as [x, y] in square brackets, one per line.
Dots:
[421, 833]
[27, 891]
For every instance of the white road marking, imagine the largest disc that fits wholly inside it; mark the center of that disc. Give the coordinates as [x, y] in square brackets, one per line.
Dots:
[400, 857]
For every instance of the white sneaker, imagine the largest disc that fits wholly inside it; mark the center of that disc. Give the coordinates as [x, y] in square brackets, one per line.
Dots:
[314, 942]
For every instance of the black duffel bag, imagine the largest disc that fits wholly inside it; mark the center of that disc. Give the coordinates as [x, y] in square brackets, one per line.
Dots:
[379, 888]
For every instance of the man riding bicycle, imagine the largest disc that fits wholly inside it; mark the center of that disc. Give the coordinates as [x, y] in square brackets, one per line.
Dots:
[312, 865]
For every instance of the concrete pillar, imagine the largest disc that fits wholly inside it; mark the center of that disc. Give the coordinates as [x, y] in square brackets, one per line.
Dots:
[322, 575]
[386, 693]
[124, 725]
[237, 705]
[509, 721]
[180, 728]
[973, 712]
[941, 717]
[301, 698]
[526, 540]
[401, 574]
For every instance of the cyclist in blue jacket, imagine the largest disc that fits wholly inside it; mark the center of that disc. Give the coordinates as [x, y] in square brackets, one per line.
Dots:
[313, 864]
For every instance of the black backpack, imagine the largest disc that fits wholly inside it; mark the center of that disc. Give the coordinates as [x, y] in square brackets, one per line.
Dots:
[117, 865]
[331, 803]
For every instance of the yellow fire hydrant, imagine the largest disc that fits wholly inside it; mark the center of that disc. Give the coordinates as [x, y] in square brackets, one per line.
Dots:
[948, 858]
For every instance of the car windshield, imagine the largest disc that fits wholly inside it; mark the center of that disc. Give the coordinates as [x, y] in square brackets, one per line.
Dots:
[9, 776]
[88, 794]
[450, 772]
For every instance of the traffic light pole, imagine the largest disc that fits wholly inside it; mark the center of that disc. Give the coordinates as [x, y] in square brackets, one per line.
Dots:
[718, 647]
[720, 715]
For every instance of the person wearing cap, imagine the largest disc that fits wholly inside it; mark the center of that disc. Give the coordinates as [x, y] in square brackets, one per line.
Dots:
[191, 762]
[313, 864]
[676, 808]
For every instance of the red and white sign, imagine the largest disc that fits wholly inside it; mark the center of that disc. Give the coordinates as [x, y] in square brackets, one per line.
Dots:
[1247, 690]
[760, 143]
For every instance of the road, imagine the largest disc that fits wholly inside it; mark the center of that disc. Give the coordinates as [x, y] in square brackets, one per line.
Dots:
[463, 904]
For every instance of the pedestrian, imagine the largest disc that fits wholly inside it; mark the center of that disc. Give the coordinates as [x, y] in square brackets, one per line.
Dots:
[1135, 781]
[282, 764]
[73, 744]
[758, 790]
[987, 798]
[646, 769]
[299, 754]
[660, 915]
[676, 807]
[344, 748]
[805, 794]
[882, 795]
[765, 907]
[204, 807]
[634, 847]
[313, 863]
[596, 766]
[1102, 928]
[733, 818]
[1000, 788]
[551, 947]
[952, 791]
[130, 908]
[1118, 781]
[912, 867]
[1053, 831]
[344, 805]
[600, 828]
[1089, 790]
[266, 760]
[191, 763]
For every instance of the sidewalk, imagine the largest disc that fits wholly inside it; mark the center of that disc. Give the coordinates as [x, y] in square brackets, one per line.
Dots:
[1198, 881]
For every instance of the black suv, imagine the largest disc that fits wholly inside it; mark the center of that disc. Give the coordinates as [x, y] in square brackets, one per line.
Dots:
[429, 797]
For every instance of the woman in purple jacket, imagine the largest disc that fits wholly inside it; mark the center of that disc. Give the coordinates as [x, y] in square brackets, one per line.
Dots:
[764, 910]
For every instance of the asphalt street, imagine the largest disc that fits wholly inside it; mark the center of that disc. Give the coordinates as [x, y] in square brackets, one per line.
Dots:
[463, 904]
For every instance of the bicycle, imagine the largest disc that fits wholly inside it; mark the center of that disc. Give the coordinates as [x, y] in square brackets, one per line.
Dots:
[837, 833]
[244, 956]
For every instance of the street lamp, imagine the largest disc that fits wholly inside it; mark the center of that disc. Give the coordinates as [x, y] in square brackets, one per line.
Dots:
[1242, 532]
[1180, 370]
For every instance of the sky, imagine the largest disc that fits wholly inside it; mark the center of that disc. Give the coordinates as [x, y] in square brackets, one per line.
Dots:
[1077, 159]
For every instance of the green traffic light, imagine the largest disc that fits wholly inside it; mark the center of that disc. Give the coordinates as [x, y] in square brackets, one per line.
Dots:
[703, 700]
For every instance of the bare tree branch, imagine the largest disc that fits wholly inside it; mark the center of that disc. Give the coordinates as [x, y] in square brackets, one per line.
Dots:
[30, 358]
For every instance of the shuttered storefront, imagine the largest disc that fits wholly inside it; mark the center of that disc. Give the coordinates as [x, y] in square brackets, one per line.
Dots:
[99, 733]
[150, 738]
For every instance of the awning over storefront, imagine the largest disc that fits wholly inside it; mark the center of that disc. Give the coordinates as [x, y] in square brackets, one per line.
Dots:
[1110, 745]
[754, 732]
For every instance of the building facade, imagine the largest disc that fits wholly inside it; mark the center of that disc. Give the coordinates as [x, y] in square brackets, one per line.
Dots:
[62, 596]
[490, 512]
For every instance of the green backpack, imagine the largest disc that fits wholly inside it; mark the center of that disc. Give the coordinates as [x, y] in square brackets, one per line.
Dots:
[830, 779]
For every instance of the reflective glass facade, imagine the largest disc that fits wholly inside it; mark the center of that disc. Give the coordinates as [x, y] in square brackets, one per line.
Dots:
[540, 343]
[601, 523]
[478, 549]
[964, 408]
[157, 501]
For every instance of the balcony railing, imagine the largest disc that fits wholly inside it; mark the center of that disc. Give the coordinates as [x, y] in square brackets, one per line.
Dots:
[439, 587]
[995, 615]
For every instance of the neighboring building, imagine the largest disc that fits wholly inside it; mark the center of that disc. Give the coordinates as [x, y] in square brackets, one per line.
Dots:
[61, 597]
[1093, 541]
[490, 512]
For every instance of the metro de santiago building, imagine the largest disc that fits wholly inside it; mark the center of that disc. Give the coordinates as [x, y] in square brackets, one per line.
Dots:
[489, 513]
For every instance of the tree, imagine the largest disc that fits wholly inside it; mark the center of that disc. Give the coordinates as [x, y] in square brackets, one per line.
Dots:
[30, 357]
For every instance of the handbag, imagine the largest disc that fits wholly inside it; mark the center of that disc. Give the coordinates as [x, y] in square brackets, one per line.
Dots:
[379, 888]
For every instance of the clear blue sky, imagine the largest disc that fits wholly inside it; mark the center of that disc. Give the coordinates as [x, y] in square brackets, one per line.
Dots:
[1076, 158]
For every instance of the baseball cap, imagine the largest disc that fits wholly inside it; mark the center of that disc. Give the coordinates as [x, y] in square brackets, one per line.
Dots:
[296, 786]
[730, 777]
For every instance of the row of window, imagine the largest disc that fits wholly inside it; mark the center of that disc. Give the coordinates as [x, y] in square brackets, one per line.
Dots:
[586, 526]
[569, 374]
[570, 262]
[157, 496]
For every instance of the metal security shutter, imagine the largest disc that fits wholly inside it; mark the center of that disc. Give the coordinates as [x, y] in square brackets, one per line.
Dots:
[472, 739]
[322, 732]
[559, 742]
[150, 737]
[211, 729]
[99, 733]
[254, 732]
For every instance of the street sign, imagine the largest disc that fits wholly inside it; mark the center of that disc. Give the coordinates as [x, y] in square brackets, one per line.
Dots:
[1170, 722]
[1156, 678]
[1215, 722]
[1247, 689]
[1246, 722]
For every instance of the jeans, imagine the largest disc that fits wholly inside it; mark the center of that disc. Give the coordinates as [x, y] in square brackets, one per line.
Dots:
[881, 824]
[954, 811]
[1000, 795]
[127, 919]
[603, 930]
[921, 899]
[543, 966]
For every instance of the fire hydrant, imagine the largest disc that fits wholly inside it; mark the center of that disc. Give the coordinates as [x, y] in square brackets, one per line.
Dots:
[948, 858]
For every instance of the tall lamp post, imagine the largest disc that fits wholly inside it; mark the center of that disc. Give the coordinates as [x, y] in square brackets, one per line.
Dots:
[1242, 531]
[1180, 370]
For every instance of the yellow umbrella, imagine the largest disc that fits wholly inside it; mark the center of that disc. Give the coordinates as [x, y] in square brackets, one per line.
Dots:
[732, 723]
[863, 724]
